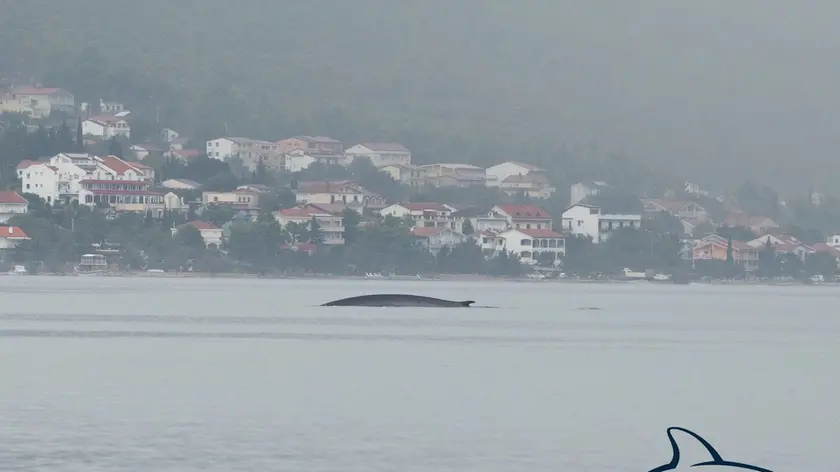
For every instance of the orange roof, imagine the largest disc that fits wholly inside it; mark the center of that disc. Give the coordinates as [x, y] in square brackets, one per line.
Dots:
[525, 211]
[199, 225]
[117, 165]
[12, 232]
[26, 163]
[8, 196]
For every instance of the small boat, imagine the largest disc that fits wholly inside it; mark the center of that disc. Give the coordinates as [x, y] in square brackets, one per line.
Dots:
[92, 264]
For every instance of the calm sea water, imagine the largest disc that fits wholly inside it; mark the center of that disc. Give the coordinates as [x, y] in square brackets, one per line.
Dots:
[112, 374]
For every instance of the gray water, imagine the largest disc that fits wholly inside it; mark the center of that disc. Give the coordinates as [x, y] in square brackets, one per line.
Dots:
[112, 374]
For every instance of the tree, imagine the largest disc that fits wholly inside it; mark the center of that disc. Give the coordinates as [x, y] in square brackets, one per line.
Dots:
[80, 137]
[467, 227]
[767, 260]
[189, 236]
[738, 233]
[316, 236]
[730, 260]
[217, 214]
[351, 220]
[115, 148]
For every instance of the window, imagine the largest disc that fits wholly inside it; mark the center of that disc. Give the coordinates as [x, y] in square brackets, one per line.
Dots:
[525, 242]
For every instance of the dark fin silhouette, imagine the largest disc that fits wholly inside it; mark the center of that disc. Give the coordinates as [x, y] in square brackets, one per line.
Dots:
[467, 302]
[708, 456]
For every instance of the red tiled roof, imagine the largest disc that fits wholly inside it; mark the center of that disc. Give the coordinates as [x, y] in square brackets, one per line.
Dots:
[425, 232]
[525, 211]
[420, 206]
[116, 164]
[540, 233]
[26, 163]
[825, 248]
[8, 196]
[140, 165]
[12, 232]
[199, 225]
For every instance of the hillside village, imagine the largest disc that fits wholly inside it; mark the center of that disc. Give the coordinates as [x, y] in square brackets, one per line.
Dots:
[290, 180]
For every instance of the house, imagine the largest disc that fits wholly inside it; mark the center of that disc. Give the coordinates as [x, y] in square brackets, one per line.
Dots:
[424, 215]
[210, 233]
[168, 135]
[435, 239]
[44, 101]
[783, 244]
[311, 145]
[524, 216]
[530, 244]
[453, 175]
[334, 191]
[406, 174]
[498, 173]
[11, 237]
[174, 203]
[110, 107]
[684, 210]
[298, 160]
[757, 224]
[823, 248]
[142, 151]
[147, 172]
[183, 155]
[250, 151]
[587, 220]
[331, 225]
[255, 188]
[57, 179]
[534, 185]
[714, 247]
[10, 104]
[833, 241]
[114, 168]
[481, 219]
[181, 184]
[106, 127]
[239, 199]
[122, 195]
[587, 188]
[23, 165]
[11, 204]
[381, 154]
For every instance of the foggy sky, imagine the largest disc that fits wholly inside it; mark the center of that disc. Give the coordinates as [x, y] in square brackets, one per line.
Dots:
[745, 85]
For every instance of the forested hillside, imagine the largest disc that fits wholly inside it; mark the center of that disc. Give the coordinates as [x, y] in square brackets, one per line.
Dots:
[713, 92]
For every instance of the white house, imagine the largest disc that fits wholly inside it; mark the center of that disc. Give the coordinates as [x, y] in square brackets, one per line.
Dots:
[238, 199]
[524, 216]
[533, 185]
[210, 233]
[381, 154]
[11, 204]
[434, 239]
[172, 202]
[110, 107]
[581, 190]
[312, 145]
[453, 174]
[250, 151]
[114, 168]
[43, 101]
[331, 225]
[297, 161]
[587, 220]
[529, 244]
[11, 236]
[406, 174]
[106, 127]
[56, 180]
[424, 215]
[168, 135]
[335, 191]
[498, 173]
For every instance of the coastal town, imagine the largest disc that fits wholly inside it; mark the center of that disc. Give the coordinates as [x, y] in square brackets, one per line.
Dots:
[316, 204]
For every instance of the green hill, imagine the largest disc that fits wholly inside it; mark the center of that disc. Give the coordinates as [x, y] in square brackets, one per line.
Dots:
[708, 92]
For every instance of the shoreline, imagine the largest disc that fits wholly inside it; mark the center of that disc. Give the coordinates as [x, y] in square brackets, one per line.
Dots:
[435, 278]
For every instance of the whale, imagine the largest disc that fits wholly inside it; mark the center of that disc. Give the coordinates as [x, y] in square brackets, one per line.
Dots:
[398, 300]
[708, 459]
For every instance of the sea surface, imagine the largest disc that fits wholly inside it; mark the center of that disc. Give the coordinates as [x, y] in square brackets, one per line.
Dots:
[159, 374]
